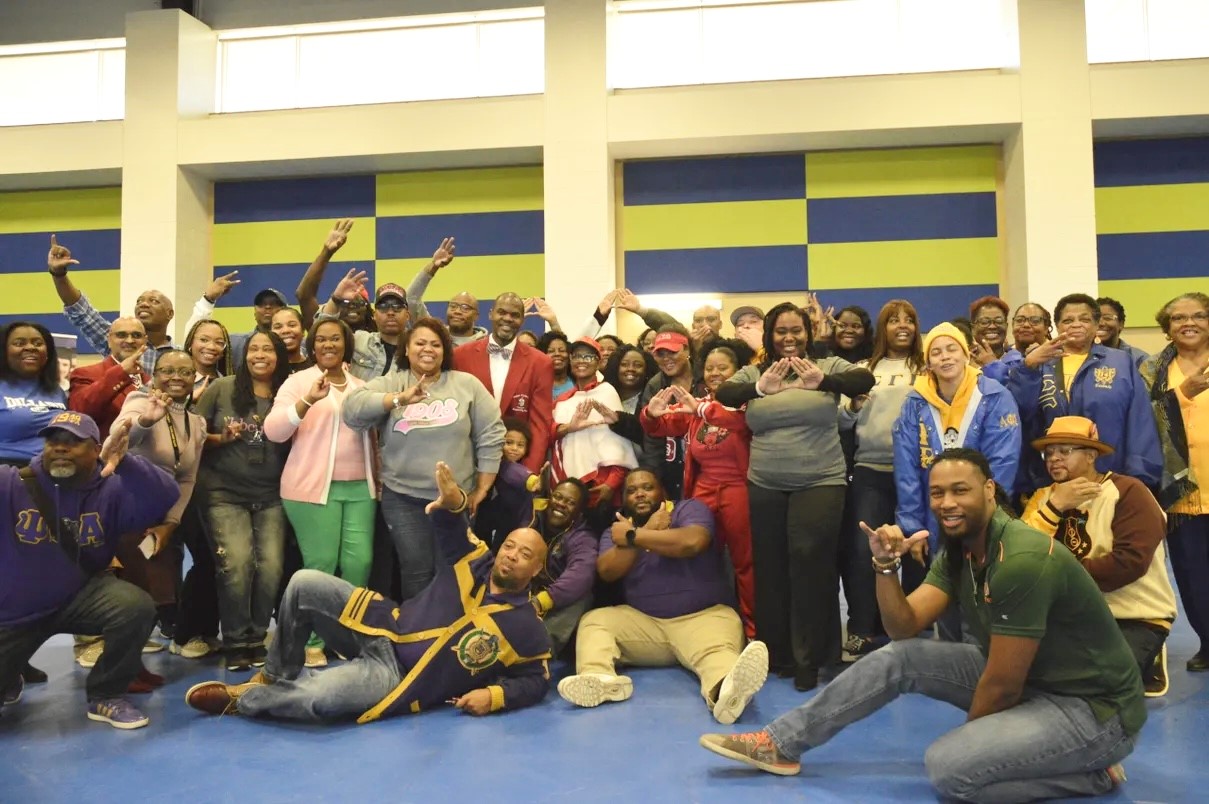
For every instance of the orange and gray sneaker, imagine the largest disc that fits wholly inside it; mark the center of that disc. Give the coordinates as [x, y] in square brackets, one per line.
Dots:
[217, 698]
[1155, 679]
[754, 748]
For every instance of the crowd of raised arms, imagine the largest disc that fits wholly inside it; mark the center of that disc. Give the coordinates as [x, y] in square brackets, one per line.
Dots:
[437, 508]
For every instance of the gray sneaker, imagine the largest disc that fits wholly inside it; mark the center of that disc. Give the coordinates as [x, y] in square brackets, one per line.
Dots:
[742, 682]
[593, 689]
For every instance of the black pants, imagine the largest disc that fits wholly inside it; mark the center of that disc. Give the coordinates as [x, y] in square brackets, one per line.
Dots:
[872, 500]
[1189, 548]
[1144, 640]
[107, 607]
[795, 544]
[197, 611]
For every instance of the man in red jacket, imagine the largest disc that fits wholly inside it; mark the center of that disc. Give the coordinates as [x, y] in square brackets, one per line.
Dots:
[100, 389]
[519, 377]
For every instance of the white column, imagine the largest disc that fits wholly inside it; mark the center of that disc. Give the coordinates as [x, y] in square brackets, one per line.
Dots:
[1050, 208]
[166, 213]
[581, 259]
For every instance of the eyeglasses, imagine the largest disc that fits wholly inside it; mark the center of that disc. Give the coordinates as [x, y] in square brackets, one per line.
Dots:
[1059, 451]
[990, 322]
[584, 357]
[129, 336]
[1111, 318]
[1184, 318]
[391, 306]
[461, 307]
[1035, 320]
[185, 373]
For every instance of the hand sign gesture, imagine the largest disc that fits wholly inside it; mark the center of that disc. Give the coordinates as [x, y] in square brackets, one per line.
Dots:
[157, 407]
[319, 390]
[684, 401]
[888, 542]
[415, 393]
[579, 420]
[58, 258]
[115, 447]
[809, 373]
[607, 413]
[774, 379]
[444, 254]
[626, 300]
[1042, 353]
[608, 302]
[198, 390]
[133, 363]
[537, 306]
[350, 286]
[338, 236]
[234, 428]
[982, 353]
[219, 287]
[660, 403]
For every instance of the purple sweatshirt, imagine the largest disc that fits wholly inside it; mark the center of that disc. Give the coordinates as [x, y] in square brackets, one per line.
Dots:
[570, 567]
[36, 576]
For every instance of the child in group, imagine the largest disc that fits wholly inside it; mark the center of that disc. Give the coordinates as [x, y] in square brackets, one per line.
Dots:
[511, 503]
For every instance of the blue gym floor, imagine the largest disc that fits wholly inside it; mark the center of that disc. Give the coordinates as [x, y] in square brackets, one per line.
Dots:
[645, 749]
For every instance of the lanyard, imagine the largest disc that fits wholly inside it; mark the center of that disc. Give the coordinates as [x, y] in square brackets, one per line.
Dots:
[176, 447]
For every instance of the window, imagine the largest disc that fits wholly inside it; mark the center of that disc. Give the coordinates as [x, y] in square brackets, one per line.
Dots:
[1146, 30]
[62, 82]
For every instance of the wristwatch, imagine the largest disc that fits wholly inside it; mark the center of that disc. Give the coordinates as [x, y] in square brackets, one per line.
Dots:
[394, 402]
[630, 536]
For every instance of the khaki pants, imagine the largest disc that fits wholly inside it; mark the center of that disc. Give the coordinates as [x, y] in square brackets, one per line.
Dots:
[707, 642]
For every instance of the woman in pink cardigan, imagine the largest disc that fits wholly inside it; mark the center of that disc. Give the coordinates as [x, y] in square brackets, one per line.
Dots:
[327, 486]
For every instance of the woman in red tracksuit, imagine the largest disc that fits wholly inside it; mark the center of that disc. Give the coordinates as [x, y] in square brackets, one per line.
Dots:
[715, 466]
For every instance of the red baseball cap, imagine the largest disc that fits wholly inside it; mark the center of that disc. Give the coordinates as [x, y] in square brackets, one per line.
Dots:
[672, 341]
[589, 342]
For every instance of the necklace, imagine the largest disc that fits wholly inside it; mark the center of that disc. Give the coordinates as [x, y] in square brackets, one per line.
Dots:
[335, 384]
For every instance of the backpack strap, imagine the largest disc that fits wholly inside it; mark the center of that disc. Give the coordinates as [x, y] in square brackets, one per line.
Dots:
[62, 533]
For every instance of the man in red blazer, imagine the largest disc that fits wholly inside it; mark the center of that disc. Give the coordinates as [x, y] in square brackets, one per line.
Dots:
[519, 377]
[100, 389]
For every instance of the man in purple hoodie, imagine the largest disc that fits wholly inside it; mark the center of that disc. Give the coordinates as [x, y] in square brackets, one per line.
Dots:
[52, 574]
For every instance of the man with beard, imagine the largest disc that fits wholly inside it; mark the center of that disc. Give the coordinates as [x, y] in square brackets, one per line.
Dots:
[52, 564]
[471, 638]
[520, 377]
[562, 590]
[100, 389]
[1052, 694]
[152, 308]
[676, 607]
[1112, 321]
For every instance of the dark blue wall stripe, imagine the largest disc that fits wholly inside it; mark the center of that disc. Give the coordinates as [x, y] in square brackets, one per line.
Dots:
[901, 217]
[284, 277]
[295, 199]
[57, 322]
[478, 234]
[1134, 162]
[439, 310]
[1153, 255]
[722, 270]
[934, 304]
[26, 251]
[732, 178]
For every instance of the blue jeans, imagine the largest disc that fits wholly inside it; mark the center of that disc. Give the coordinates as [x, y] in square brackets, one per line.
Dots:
[415, 545]
[871, 499]
[249, 545]
[313, 602]
[1047, 746]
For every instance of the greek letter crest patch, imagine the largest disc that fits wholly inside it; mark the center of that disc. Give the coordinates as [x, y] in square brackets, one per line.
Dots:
[477, 650]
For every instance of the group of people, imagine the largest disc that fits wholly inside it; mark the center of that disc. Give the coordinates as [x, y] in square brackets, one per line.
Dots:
[441, 507]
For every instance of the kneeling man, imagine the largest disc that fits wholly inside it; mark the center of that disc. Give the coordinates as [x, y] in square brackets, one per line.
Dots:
[1052, 694]
[675, 611]
[471, 638]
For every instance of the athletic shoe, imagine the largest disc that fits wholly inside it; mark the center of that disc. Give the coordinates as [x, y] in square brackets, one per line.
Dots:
[117, 712]
[315, 657]
[857, 646]
[754, 748]
[153, 646]
[743, 681]
[13, 694]
[217, 698]
[593, 689]
[88, 653]
[1155, 680]
[1117, 774]
[33, 675]
[257, 655]
[195, 648]
[239, 659]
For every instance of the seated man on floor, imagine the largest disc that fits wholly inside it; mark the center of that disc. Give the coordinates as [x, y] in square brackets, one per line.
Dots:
[562, 590]
[1115, 527]
[1052, 694]
[675, 611]
[60, 523]
[471, 638]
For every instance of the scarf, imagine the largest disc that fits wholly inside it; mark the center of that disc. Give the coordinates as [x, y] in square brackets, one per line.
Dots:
[952, 418]
[1177, 482]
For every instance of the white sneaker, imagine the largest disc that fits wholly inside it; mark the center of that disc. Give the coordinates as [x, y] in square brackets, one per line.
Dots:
[89, 653]
[593, 689]
[153, 646]
[195, 648]
[315, 658]
[742, 682]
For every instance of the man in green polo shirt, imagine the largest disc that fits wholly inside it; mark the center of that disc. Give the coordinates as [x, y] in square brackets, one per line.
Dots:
[1053, 695]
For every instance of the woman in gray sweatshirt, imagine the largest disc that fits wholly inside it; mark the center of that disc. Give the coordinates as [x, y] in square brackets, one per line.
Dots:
[795, 483]
[425, 412]
[897, 358]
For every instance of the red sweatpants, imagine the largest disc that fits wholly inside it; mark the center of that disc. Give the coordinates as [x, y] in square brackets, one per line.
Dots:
[732, 519]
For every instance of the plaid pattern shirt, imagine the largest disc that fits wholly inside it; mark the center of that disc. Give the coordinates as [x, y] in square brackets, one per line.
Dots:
[95, 329]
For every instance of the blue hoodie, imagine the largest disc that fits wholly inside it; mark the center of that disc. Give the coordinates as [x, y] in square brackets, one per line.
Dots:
[994, 431]
[36, 576]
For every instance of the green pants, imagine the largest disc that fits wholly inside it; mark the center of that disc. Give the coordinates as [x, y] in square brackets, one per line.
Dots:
[337, 537]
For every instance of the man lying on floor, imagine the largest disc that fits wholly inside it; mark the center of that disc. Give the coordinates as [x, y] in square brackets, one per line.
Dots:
[471, 638]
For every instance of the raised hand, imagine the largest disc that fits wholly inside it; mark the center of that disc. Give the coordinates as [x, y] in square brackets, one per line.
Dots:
[608, 302]
[115, 447]
[1074, 493]
[660, 520]
[982, 354]
[157, 407]
[607, 413]
[58, 259]
[1043, 353]
[660, 403]
[537, 306]
[773, 380]
[809, 375]
[338, 236]
[449, 495]
[133, 363]
[888, 542]
[444, 254]
[416, 392]
[319, 390]
[198, 390]
[220, 286]
[626, 300]
[682, 400]
[350, 286]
